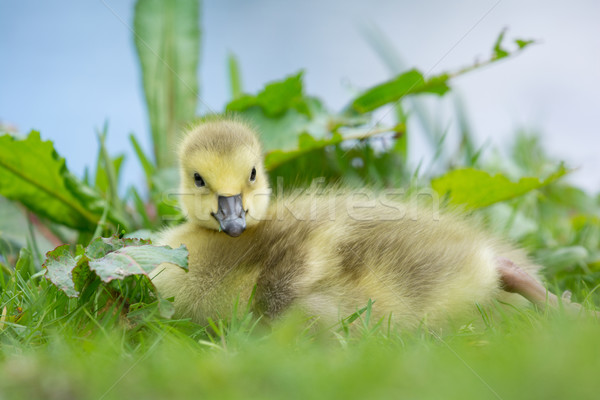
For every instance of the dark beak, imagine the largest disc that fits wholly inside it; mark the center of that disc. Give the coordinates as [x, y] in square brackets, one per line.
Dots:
[231, 215]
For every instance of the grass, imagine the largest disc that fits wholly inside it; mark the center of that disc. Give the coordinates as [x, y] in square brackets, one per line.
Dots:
[56, 348]
[534, 357]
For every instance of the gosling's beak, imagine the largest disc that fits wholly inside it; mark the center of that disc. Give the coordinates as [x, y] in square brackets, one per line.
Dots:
[231, 215]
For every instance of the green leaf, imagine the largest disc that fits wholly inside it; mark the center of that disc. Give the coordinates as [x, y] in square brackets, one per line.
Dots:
[498, 51]
[167, 39]
[475, 188]
[523, 43]
[282, 132]
[276, 98]
[242, 103]
[32, 173]
[407, 83]
[65, 271]
[137, 260]
[100, 247]
[109, 259]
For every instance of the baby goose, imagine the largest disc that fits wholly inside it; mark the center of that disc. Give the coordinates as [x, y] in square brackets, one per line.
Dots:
[324, 255]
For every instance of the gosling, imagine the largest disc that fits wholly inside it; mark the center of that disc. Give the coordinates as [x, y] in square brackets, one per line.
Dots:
[324, 255]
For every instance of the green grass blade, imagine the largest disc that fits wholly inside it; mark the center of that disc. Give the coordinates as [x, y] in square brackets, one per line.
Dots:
[235, 79]
[147, 165]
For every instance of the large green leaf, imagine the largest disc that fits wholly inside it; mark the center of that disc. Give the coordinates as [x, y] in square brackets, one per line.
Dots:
[100, 247]
[410, 82]
[282, 132]
[277, 132]
[475, 188]
[136, 260]
[167, 39]
[109, 259]
[32, 173]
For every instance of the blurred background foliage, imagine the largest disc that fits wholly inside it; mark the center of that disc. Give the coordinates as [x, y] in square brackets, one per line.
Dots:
[364, 144]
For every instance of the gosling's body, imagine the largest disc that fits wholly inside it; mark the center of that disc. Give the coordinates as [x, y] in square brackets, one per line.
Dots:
[328, 255]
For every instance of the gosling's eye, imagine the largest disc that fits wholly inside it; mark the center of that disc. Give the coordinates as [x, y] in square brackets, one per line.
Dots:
[198, 180]
[253, 175]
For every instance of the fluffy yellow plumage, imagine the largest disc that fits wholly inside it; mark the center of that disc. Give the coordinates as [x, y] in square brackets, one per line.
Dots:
[326, 254]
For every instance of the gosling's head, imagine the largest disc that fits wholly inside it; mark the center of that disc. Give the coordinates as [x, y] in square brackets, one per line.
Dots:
[223, 182]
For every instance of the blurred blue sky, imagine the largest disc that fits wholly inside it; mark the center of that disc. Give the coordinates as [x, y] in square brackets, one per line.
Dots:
[68, 65]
